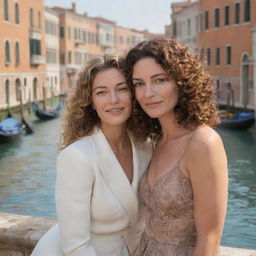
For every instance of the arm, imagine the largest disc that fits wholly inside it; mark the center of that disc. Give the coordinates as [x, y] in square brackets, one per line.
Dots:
[208, 174]
[73, 197]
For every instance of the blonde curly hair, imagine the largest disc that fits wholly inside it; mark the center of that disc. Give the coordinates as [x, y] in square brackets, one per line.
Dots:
[79, 117]
[196, 101]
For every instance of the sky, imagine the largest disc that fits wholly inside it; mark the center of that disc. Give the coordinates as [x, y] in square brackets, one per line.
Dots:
[152, 15]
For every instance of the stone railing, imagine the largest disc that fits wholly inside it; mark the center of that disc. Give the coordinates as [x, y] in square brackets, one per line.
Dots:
[19, 234]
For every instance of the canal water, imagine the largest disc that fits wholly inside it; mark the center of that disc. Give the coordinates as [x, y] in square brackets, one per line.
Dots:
[27, 179]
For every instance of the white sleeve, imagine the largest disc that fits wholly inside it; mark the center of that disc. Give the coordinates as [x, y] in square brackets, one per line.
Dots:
[74, 185]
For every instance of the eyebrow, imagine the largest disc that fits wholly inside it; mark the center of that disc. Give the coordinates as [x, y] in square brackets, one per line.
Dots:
[154, 76]
[104, 87]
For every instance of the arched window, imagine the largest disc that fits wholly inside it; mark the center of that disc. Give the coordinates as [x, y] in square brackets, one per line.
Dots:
[17, 14]
[7, 53]
[31, 17]
[7, 92]
[35, 89]
[18, 89]
[6, 10]
[17, 53]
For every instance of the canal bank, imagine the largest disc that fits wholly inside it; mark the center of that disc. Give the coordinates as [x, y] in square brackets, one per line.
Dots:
[19, 235]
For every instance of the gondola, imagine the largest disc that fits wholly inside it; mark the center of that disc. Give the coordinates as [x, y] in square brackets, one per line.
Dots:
[48, 114]
[10, 130]
[239, 121]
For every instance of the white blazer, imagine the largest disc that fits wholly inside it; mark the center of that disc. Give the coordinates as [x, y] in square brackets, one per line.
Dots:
[97, 207]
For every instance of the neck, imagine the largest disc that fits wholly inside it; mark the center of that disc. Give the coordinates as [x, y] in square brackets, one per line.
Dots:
[116, 136]
[170, 127]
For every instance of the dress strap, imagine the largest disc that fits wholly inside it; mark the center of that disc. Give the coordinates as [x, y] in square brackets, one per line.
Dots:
[185, 148]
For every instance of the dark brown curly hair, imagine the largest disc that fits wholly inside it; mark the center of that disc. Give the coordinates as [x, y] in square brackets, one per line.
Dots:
[196, 101]
[79, 117]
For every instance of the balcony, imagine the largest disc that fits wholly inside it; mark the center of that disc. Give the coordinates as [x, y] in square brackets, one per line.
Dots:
[36, 60]
[79, 41]
[35, 33]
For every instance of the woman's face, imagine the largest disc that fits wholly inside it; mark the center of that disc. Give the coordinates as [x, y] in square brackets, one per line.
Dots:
[155, 91]
[111, 98]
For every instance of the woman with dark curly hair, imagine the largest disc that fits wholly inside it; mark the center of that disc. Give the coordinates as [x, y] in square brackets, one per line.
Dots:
[184, 188]
[98, 168]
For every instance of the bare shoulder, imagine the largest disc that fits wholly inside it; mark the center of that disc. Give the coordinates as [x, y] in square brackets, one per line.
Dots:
[204, 139]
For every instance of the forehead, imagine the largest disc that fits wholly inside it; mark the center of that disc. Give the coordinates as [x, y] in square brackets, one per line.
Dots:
[147, 67]
[108, 77]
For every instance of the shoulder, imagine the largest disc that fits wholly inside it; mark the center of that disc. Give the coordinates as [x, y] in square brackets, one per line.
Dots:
[204, 139]
[205, 152]
[81, 149]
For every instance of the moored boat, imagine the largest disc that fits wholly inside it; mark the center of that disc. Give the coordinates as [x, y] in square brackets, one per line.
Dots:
[10, 130]
[48, 114]
[239, 121]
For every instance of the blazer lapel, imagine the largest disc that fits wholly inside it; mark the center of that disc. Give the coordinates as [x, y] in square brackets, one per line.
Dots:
[115, 177]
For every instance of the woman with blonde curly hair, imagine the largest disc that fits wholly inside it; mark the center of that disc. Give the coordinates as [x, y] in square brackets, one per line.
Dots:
[184, 189]
[98, 168]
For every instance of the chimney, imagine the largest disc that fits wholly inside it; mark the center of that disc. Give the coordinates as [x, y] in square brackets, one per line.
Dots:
[73, 6]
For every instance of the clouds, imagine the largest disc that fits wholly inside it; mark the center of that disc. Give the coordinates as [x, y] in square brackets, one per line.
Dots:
[138, 14]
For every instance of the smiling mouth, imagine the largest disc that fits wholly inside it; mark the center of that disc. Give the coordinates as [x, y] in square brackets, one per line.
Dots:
[114, 110]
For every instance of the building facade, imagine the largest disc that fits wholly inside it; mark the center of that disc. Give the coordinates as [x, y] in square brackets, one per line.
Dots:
[226, 42]
[52, 53]
[186, 23]
[22, 65]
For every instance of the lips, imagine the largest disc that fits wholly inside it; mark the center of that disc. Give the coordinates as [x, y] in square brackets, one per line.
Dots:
[114, 110]
[152, 104]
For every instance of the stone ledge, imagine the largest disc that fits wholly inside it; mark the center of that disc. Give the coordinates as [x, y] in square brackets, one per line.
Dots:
[19, 234]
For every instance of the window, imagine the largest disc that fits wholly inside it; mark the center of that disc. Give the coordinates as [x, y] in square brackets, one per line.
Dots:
[247, 10]
[7, 92]
[17, 53]
[226, 21]
[7, 53]
[217, 56]
[31, 18]
[62, 32]
[18, 90]
[17, 14]
[208, 56]
[6, 10]
[35, 47]
[189, 27]
[206, 20]
[237, 13]
[174, 28]
[216, 17]
[228, 55]
[69, 57]
[218, 89]
[39, 20]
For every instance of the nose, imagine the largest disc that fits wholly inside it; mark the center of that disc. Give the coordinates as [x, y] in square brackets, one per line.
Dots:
[149, 90]
[114, 97]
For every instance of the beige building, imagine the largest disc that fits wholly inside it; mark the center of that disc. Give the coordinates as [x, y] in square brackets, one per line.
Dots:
[79, 41]
[186, 23]
[52, 53]
[22, 55]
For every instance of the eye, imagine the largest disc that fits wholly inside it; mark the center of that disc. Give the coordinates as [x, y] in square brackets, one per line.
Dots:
[101, 92]
[137, 84]
[160, 80]
[123, 89]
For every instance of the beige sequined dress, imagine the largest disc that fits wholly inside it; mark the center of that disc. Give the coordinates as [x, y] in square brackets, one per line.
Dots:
[170, 227]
